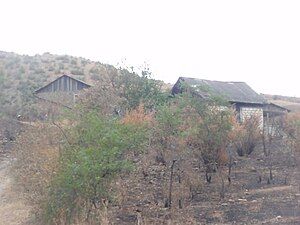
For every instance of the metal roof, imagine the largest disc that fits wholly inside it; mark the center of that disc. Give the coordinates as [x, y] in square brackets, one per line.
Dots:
[231, 91]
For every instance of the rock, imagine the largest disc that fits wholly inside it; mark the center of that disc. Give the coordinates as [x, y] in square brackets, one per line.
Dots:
[254, 201]
[242, 200]
[278, 217]
[224, 204]
[231, 200]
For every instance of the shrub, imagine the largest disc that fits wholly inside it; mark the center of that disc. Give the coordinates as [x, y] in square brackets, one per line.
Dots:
[95, 77]
[247, 136]
[74, 62]
[51, 68]
[89, 165]
[191, 131]
[140, 90]
[77, 72]
[292, 129]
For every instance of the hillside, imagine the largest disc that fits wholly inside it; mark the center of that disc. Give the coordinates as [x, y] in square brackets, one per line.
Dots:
[20, 75]
[131, 154]
[291, 103]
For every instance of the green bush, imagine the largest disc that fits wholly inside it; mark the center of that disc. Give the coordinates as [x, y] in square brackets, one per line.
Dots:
[89, 165]
[140, 90]
[77, 71]
[74, 62]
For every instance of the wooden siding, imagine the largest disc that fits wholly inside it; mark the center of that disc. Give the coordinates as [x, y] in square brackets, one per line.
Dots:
[63, 84]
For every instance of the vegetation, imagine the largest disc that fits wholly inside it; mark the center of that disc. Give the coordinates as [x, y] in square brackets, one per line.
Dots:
[20, 75]
[98, 146]
[136, 90]
[89, 164]
[130, 147]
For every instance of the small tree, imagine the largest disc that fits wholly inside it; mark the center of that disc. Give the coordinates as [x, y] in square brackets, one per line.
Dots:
[191, 128]
[168, 136]
[136, 89]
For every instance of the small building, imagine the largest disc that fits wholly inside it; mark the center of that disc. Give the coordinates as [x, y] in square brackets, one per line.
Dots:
[241, 96]
[274, 119]
[61, 91]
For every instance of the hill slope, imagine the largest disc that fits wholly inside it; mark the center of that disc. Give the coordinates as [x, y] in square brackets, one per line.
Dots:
[291, 103]
[20, 75]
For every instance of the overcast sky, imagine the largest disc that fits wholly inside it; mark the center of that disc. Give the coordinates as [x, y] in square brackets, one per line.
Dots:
[253, 41]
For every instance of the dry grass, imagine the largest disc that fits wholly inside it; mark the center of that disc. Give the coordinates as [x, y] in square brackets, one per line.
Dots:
[36, 152]
[13, 208]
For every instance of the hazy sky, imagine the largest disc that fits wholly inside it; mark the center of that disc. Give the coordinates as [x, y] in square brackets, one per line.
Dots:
[253, 41]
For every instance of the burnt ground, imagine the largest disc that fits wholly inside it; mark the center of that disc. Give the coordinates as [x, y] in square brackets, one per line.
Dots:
[141, 194]
[247, 201]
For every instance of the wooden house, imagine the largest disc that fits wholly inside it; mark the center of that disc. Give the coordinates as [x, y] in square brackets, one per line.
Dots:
[62, 91]
[241, 96]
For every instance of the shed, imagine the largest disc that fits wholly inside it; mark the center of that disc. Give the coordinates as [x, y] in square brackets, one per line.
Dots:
[240, 95]
[62, 90]
[63, 83]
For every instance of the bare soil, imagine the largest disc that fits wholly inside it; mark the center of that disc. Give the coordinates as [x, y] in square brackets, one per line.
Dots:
[13, 209]
[247, 201]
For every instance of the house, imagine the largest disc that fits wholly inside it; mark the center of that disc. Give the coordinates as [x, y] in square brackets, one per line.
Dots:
[61, 91]
[241, 96]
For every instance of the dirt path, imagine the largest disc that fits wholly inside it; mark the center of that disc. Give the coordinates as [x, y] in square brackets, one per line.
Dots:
[13, 210]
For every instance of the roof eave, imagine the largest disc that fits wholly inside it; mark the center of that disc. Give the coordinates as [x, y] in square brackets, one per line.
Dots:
[246, 102]
[64, 75]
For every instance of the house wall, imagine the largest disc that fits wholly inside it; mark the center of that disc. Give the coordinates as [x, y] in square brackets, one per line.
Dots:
[62, 91]
[247, 112]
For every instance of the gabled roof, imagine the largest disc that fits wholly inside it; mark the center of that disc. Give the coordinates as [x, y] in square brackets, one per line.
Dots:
[64, 75]
[235, 92]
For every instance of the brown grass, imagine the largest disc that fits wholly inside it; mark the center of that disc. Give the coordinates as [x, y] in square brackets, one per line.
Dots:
[13, 208]
[36, 153]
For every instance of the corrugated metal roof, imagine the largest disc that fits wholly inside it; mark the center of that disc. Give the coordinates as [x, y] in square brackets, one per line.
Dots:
[231, 91]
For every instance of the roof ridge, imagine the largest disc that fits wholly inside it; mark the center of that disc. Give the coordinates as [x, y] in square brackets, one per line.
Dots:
[212, 80]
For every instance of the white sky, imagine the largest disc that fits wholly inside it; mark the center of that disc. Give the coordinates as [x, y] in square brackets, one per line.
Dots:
[256, 41]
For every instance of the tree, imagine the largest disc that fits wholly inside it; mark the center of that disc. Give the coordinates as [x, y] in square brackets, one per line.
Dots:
[136, 90]
[189, 128]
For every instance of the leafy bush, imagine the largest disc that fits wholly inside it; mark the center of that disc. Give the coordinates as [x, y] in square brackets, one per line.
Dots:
[77, 72]
[140, 90]
[95, 77]
[95, 156]
[74, 62]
